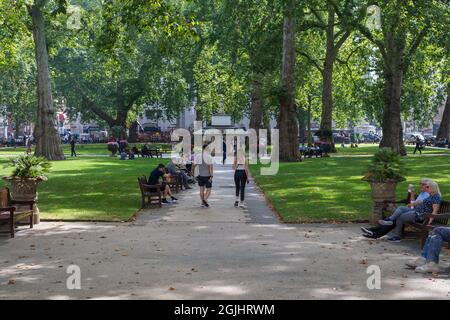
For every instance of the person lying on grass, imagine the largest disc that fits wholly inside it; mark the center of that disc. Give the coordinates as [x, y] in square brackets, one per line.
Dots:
[428, 262]
[155, 176]
[414, 212]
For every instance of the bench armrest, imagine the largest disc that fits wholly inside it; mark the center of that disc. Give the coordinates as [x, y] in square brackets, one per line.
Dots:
[155, 186]
[7, 209]
[405, 201]
[437, 216]
[29, 202]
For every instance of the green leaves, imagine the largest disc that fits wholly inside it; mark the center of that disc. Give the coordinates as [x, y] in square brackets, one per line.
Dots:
[29, 167]
[386, 165]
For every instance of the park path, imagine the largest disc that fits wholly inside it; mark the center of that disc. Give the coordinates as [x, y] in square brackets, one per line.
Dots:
[184, 251]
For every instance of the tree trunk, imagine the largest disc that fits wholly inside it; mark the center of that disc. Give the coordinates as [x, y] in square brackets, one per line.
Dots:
[326, 124]
[302, 119]
[287, 123]
[133, 137]
[16, 129]
[48, 142]
[444, 128]
[309, 137]
[256, 116]
[392, 123]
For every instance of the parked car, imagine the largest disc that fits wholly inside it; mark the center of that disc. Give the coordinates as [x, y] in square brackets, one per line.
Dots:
[338, 138]
[430, 140]
[371, 138]
[412, 138]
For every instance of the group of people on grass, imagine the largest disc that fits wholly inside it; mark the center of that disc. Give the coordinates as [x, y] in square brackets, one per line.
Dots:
[202, 171]
[421, 208]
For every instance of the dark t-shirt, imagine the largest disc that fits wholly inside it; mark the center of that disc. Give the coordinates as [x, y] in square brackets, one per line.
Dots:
[427, 206]
[154, 176]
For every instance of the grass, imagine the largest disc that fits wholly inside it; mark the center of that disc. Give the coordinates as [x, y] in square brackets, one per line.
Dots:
[331, 189]
[97, 188]
[328, 189]
[81, 149]
[369, 149]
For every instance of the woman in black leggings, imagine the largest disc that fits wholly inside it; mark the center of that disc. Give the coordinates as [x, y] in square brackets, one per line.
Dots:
[241, 175]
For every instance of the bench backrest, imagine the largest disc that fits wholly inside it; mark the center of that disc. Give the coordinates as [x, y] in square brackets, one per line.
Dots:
[142, 181]
[5, 198]
[443, 208]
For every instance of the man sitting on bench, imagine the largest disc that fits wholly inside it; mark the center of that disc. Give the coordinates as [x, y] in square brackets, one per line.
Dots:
[155, 175]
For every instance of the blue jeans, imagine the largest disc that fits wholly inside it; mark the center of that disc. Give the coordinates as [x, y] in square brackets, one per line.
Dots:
[401, 216]
[433, 246]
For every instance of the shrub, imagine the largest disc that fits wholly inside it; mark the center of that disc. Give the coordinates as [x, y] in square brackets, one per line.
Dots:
[386, 165]
[29, 167]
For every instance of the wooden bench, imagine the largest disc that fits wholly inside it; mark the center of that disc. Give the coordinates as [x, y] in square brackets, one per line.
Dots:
[155, 152]
[165, 149]
[149, 193]
[10, 213]
[423, 229]
[175, 183]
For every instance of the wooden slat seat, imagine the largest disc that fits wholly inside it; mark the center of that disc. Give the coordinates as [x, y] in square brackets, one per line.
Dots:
[10, 212]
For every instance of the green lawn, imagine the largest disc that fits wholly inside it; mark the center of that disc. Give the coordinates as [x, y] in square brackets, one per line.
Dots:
[98, 188]
[81, 149]
[365, 149]
[331, 189]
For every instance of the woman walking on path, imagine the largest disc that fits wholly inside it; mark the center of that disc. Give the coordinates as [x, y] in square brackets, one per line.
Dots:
[241, 175]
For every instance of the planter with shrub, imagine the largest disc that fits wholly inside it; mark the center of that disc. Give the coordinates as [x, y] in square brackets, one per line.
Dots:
[28, 172]
[384, 173]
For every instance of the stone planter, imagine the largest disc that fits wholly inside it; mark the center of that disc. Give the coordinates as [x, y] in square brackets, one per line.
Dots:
[381, 192]
[25, 190]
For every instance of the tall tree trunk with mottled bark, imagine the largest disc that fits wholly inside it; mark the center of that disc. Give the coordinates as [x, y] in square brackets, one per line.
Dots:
[332, 50]
[48, 142]
[444, 128]
[133, 133]
[287, 122]
[393, 74]
[256, 112]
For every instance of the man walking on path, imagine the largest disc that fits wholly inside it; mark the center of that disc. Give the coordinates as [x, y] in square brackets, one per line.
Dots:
[205, 176]
[418, 146]
[72, 147]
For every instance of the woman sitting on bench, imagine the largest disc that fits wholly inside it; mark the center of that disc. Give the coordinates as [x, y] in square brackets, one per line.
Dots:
[419, 209]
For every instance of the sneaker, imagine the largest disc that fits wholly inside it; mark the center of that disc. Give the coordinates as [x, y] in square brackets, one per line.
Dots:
[367, 231]
[203, 205]
[236, 203]
[386, 222]
[370, 236]
[417, 263]
[164, 201]
[394, 239]
[430, 267]
[174, 199]
[206, 203]
[242, 205]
